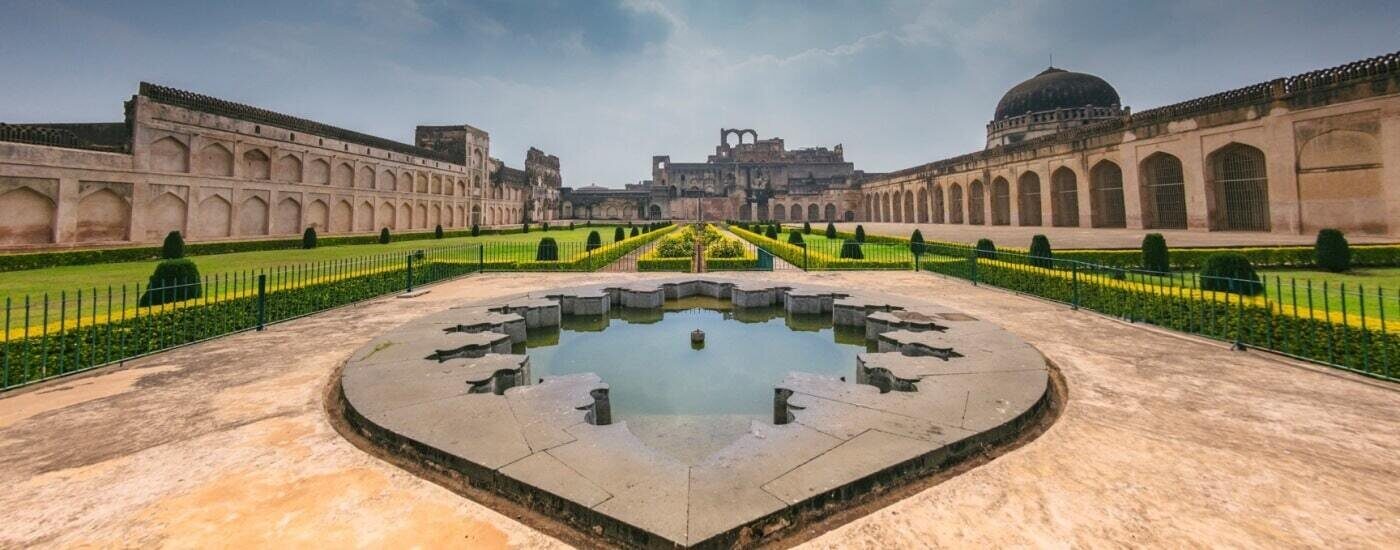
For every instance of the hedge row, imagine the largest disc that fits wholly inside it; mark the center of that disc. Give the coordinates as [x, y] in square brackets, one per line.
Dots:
[41, 260]
[586, 261]
[1185, 258]
[813, 260]
[1216, 315]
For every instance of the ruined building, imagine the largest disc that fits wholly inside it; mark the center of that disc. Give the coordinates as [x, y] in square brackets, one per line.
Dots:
[753, 179]
[218, 170]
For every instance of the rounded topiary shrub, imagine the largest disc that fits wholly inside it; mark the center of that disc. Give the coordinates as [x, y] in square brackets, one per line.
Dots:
[571, 226]
[771, 232]
[916, 243]
[1332, 252]
[544, 226]
[172, 281]
[437, 231]
[806, 228]
[525, 227]
[384, 236]
[308, 238]
[851, 250]
[594, 240]
[619, 234]
[986, 249]
[547, 251]
[795, 238]
[1040, 253]
[1155, 257]
[830, 230]
[173, 247]
[634, 232]
[1230, 272]
[860, 233]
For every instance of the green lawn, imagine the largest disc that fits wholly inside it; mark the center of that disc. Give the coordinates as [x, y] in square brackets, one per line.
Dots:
[1364, 287]
[520, 246]
[817, 242]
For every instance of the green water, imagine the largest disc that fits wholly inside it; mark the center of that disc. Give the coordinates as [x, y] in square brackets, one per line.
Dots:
[646, 357]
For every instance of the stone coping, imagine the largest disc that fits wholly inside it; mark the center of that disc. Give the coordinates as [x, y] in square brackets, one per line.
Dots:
[445, 391]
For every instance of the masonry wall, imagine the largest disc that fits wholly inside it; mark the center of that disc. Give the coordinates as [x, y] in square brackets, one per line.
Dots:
[217, 178]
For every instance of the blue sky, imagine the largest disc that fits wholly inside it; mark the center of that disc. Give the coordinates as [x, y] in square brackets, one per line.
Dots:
[607, 84]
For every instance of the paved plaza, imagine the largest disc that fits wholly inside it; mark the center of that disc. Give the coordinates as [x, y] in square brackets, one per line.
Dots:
[1164, 440]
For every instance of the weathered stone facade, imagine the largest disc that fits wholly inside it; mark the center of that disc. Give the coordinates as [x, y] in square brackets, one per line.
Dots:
[757, 179]
[217, 170]
[1292, 155]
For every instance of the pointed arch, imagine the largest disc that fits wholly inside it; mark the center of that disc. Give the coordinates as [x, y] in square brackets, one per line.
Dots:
[939, 213]
[1106, 196]
[164, 214]
[1000, 201]
[923, 205]
[168, 154]
[364, 217]
[256, 165]
[318, 217]
[253, 216]
[385, 217]
[341, 216]
[215, 217]
[288, 169]
[1238, 191]
[364, 178]
[1028, 201]
[343, 175]
[318, 172]
[405, 182]
[286, 220]
[404, 220]
[908, 206]
[29, 217]
[1064, 200]
[215, 159]
[103, 216]
[955, 203]
[976, 203]
[385, 181]
[1163, 192]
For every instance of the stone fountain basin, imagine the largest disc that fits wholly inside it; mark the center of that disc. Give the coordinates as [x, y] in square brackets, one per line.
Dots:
[444, 391]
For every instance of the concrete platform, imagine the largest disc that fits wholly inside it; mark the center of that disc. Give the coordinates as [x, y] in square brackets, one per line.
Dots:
[550, 444]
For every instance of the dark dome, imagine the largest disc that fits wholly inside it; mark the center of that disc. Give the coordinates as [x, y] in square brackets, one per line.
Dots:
[1056, 89]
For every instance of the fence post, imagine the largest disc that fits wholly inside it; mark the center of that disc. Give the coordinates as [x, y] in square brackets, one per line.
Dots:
[262, 300]
[410, 274]
[1074, 277]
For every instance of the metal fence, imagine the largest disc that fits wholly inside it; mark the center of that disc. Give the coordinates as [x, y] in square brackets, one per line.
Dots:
[1350, 327]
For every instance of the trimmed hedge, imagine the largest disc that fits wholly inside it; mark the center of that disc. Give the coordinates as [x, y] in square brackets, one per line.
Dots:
[173, 281]
[1156, 258]
[174, 246]
[308, 238]
[1230, 273]
[547, 250]
[1332, 252]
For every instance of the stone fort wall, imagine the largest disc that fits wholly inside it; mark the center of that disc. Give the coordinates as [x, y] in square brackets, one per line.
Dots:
[217, 170]
[1293, 155]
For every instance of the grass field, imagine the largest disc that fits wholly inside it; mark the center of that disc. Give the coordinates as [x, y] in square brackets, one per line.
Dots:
[519, 246]
[1380, 286]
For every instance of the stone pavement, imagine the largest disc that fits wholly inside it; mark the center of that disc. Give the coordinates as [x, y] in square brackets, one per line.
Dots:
[1165, 441]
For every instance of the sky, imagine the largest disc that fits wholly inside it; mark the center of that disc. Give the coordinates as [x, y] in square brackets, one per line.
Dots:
[607, 84]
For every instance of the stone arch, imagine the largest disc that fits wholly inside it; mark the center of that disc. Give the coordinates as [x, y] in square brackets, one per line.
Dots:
[216, 160]
[955, 203]
[385, 181]
[850, 216]
[256, 165]
[420, 216]
[288, 169]
[286, 220]
[168, 154]
[364, 217]
[885, 215]
[435, 216]
[814, 212]
[318, 216]
[384, 219]
[939, 213]
[654, 211]
[476, 213]
[29, 217]
[830, 212]
[364, 178]
[461, 188]
[746, 211]
[1238, 191]
[1106, 196]
[610, 212]
[1028, 201]
[1064, 199]
[794, 213]
[252, 216]
[343, 175]
[405, 182]
[1001, 201]
[215, 217]
[341, 217]
[318, 172]
[908, 206]
[1163, 192]
[421, 183]
[103, 216]
[923, 205]
[898, 209]
[1339, 148]
[762, 211]
[164, 214]
[976, 203]
[460, 219]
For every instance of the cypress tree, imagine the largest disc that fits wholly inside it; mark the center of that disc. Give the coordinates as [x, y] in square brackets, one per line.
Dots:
[830, 230]
[384, 236]
[916, 243]
[308, 238]
[860, 233]
[594, 240]
[806, 228]
[1155, 257]
[619, 234]
[634, 232]
[437, 232]
[476, 230]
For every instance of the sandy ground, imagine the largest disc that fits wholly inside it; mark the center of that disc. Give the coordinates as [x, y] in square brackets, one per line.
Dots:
[1164, 441]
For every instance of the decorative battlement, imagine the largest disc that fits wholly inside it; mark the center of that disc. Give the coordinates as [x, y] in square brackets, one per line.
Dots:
[220, 107]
